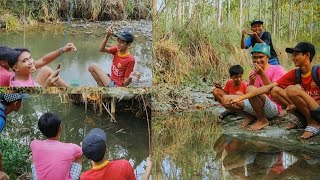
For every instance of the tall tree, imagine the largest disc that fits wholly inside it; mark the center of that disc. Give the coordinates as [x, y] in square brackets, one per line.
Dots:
[219, 19]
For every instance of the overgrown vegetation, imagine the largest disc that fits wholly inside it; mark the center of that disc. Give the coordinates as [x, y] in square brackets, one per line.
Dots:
[15, 158]
[192, 49]
[28, 11]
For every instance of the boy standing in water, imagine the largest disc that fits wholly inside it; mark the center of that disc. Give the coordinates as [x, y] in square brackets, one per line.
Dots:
[122, 63]
[258, 35]
[234, 86]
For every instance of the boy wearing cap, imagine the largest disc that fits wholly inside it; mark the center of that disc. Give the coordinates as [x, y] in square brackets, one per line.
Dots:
[52, 159]
[122, 63]
[5, 74]
[94, 148]
[305, 100]
[260, 107]
[258, 35]
[8, 103]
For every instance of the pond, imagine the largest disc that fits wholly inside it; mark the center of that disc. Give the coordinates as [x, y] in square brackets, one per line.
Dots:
[194, 146]
[126, 139]
[87, 37]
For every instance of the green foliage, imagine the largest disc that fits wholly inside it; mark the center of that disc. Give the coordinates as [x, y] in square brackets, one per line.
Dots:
[15, 158]
[12, 23]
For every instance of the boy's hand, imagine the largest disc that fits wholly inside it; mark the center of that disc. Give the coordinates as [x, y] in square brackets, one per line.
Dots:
[135, 75]
[217, 85]
[69, 47]
[244, 32]
[252, 78]
[53, 79]
[3, 176]
[257, 69]
[109, 31]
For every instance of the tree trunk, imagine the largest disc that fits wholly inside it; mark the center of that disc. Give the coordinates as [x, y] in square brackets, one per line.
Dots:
[311, 21]
[290, 19]
[273, 18]
[190, 8]
[240, 16]
[260, 1]
[179, 11]
[219, 12]
[229, 16]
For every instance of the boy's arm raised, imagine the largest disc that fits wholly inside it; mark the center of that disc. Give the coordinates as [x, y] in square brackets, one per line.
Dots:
[258, 91]
[48, 58]
[102, 47]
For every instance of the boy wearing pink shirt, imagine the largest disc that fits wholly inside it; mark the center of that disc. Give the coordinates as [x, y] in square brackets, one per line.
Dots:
[51, 158]
[5, 74]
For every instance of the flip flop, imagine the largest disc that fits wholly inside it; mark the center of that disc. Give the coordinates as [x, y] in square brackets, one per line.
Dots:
[300, 122]
[225, 114]
[313, 130]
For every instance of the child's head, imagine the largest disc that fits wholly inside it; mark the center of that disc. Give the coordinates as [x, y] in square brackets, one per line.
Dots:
[260, 54]
[12, 102]
[21, 62]
[4, 51]
[94, 145]
[124, 40]
[305, 49]
[257, 26]
[49, 125]
[236, 72]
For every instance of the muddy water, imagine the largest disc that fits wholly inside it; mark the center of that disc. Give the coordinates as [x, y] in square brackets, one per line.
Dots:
[213, 155]
[87, 37]
[126, 139]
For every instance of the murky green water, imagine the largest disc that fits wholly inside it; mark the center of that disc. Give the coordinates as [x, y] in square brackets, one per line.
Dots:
[221, 156]
[46, 38]
[127, 138]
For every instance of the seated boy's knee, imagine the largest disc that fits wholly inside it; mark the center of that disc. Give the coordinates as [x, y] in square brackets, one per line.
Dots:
[251, 88]
[215, 91]
[275, 91]
[45, 69]
[92, 67]
[292, 91]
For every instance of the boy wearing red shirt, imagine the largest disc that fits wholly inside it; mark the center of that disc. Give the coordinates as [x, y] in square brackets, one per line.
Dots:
[94, 148]
[122, 63]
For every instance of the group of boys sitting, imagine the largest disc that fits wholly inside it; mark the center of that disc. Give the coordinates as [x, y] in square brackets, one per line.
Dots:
[270, 89]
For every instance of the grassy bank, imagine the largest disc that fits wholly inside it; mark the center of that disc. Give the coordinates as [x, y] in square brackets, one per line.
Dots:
[14, 14]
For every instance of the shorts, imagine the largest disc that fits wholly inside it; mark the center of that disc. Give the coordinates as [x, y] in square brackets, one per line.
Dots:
[270, 108]
[112, 84]
[315, 115]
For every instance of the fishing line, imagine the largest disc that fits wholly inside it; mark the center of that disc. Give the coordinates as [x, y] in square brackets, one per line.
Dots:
[149, 129]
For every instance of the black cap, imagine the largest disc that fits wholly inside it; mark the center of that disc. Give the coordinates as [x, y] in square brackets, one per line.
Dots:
[8, 98]
[256, 21]
[126, 36]
[94, 144]
[303, 47]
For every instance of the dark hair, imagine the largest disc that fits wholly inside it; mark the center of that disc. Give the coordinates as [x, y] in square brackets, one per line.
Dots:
[4, 50]
[49, 124]
[14, 55]
[235, 70]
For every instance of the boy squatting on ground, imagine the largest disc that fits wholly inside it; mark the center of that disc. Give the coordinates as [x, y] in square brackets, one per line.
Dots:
[8, 103]
[23, 65]
[258, 35]
[234, 86]
[52, 159]
[260, 107]
[122, 63]
[304, 100]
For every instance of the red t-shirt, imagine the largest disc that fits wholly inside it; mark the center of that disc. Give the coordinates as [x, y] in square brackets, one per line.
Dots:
[231, 89]
[121, 67]
[110, 170]
[307, 83]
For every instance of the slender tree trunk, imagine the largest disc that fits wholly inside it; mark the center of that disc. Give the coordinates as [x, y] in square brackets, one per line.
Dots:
[190, 9]
[240, 16]
[248, 8]
[311, 22]
[290, 19]
[273, 17]
[179, 11]
[219, 13]
[229, 16]
[260, 1]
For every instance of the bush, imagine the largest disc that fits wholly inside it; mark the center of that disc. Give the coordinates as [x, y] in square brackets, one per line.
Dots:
[15, 158]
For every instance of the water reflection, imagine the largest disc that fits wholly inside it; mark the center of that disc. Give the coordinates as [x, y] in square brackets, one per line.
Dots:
[47, 38]
[128, 138]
